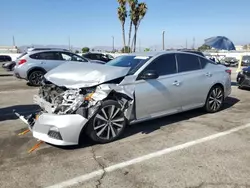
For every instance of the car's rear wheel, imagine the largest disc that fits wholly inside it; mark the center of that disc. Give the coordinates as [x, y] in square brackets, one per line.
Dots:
[108, 123]
[215, 99]
[35, 77]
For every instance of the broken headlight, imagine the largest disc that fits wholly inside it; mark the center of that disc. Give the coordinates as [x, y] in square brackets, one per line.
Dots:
[70, 101]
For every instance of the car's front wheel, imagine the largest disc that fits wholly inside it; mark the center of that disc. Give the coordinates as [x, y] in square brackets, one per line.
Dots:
[108, 123]
[215, 99]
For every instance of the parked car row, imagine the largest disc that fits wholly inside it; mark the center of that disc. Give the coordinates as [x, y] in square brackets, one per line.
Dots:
[100, 100]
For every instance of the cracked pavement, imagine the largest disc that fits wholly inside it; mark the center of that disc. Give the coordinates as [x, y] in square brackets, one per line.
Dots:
[219, 163]
[101, 166]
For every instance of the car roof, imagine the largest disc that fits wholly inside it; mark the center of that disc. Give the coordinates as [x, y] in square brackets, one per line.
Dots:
[94, 53]
[40, 51]
[156, 53]
[44, 48]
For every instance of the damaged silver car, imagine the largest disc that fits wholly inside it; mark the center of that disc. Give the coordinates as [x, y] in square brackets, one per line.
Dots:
[101, 100]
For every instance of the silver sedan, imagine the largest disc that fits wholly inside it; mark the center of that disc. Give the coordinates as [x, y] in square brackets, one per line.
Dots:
[101, 100]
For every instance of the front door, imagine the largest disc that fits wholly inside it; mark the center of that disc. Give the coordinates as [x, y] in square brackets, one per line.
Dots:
[155, 97]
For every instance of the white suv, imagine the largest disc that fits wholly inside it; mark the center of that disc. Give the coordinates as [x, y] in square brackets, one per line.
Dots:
[33, 64]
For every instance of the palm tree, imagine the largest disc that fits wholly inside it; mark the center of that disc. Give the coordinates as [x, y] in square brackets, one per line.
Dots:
[132, 5]
[139, 14]
[122, 15]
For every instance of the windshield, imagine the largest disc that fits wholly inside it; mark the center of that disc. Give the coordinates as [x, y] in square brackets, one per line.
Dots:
[246, 58]
[132, 61]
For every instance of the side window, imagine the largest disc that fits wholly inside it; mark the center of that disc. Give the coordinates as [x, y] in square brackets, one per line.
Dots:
[94, 56]
[163, 65]
[72, 57]
[45, 56]
[66, 57]
[86, 55]
[187, 62]
[204, 62]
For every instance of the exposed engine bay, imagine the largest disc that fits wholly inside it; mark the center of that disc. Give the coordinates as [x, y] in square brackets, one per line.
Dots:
[62, 100]
[83, 101]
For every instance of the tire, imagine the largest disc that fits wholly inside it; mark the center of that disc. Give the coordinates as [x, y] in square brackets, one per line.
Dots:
[35, 77]
[215, 99]
[107, 124]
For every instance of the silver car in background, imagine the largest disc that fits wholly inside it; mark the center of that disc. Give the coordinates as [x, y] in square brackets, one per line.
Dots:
[34, 63]
[101, 100]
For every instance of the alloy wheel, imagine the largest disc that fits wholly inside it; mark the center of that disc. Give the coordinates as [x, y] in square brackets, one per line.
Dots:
[215, 99]
[36, 77]
[109, 122]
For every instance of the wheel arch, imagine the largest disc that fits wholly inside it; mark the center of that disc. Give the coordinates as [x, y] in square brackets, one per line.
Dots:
[217, 84]
[35, 69]
[113, 95]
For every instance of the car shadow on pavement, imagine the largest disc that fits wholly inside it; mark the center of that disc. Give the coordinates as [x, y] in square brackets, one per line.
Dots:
[153, 125]
[5, 75]
[30, 85]
[7, 113]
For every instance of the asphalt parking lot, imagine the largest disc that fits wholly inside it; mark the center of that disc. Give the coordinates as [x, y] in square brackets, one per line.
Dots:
[197, 150]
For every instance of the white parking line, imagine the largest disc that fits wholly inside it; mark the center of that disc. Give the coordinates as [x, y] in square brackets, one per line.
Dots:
[97, 173]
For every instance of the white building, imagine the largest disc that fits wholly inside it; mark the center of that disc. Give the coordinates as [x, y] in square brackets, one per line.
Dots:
[8, 49]
[239, 47]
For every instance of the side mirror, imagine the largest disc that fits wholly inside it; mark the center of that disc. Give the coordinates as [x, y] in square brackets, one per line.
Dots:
[150, 74]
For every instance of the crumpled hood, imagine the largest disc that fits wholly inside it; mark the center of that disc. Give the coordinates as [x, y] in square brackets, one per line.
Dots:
[80, 75]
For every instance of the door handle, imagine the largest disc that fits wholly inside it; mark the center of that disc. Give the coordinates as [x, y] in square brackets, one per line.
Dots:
[176, 83]
[208, 74]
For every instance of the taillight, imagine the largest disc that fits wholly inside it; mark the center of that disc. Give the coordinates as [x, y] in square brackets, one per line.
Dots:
[21, 61]
[228, 71]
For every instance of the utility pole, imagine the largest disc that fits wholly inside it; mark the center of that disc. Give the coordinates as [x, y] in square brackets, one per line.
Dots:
[193, 43]
[69, 44]
[113, 43]
[163, 40]
[186, 43]
[13, 39]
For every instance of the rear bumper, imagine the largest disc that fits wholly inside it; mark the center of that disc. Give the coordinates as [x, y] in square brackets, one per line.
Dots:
[19, 73]
[61, 130]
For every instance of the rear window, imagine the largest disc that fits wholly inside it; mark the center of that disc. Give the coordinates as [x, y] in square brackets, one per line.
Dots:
[23, 54]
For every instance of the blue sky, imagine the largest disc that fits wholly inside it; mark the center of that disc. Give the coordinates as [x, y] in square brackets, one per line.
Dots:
[93, 22]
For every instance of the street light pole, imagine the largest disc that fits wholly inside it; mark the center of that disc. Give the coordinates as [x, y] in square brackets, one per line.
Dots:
[69, 43]
[163, 40]
[113, 43]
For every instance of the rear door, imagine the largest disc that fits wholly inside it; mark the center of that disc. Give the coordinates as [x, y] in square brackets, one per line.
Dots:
[194, 79]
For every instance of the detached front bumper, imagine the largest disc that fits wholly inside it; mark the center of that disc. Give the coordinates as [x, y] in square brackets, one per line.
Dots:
[61, 130]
